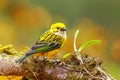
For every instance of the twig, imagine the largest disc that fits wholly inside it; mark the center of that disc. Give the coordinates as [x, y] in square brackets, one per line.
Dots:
[81, 76]
[90, 73]
[105, 73]
[34, 74]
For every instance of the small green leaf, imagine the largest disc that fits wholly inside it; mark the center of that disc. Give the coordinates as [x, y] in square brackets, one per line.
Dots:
[66, 55]
[76, 34]
[89, 43]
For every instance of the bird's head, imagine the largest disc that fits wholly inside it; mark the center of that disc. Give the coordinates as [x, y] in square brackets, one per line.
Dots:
[58, 27]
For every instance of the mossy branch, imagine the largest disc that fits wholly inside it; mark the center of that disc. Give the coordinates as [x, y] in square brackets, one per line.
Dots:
[40, 68]
[37, 68]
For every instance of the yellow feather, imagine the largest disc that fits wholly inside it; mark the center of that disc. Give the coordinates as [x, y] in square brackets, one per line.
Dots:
[52, 40]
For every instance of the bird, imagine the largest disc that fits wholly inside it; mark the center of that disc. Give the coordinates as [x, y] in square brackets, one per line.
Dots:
[49, 43]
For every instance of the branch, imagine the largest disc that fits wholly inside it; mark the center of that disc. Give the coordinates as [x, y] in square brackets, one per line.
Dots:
[40, 68]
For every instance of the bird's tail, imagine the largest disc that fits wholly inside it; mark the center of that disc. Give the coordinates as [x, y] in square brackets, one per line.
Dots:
[22, 59]
[25, 56]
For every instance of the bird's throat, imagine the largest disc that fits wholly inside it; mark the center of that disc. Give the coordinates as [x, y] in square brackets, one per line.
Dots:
[61, 33]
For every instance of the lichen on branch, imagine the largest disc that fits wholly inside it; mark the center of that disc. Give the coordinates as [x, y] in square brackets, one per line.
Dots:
[76, 67]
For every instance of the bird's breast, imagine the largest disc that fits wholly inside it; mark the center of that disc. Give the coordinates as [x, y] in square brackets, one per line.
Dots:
[49, 54]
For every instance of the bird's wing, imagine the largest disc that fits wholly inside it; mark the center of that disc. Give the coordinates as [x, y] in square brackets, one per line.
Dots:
[48, 42]
[45, 47]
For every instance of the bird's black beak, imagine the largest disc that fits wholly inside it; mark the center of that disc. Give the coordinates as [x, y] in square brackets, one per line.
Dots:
[63, 29]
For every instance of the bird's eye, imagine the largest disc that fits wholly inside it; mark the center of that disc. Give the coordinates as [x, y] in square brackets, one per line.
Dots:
[58, 28]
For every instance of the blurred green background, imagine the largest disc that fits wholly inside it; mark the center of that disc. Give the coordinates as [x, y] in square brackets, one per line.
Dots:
[23, 21]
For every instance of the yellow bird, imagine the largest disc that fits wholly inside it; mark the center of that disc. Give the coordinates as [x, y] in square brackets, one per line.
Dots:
[49, 43]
